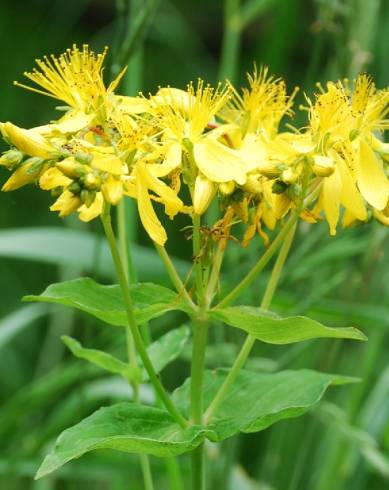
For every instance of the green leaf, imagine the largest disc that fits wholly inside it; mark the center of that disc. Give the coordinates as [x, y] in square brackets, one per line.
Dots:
[128, 427]
[256, 401]
[101, 359]
[270, 328]
[161, 352]
[106, 302]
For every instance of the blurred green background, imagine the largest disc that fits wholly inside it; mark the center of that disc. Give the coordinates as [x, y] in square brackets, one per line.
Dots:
[342, 444]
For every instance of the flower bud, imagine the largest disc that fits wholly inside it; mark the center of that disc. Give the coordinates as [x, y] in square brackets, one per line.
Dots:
[204, 192]
[71, 168]
[227, 188]
[323, 166]
[28, 141]
[11, 158]
[25, 174]
[289, 175]
[75, 188]
[91, 181]
[252, 184]
[87, 197]
[84, 158]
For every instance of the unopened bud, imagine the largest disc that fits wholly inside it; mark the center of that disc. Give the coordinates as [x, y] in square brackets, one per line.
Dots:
[84, 158]
[92, 181]
[204, 192]
[289, 175]
[11, 158]
[323, 166]
[87, 197]
[75, 188]
[71, 168]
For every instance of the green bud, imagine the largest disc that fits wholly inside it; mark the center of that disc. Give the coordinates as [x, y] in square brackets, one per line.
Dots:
[87, 197]
[11, 158]
[91, 181]
[75, 188]
[56, 192]
[84, 158]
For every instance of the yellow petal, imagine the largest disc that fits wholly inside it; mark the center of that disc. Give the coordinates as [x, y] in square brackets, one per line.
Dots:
[27, 140]
[66, 204]
[350, 196]
[132, 105]
[204, 192]
[87, 214]
[147, 214]
[112, 190]
[108, 163]
[331, 192]
[172, 161]
[254, 154]
[168, 197]
[24, 175]
[371, 178]
[53, 178]
[218, 162]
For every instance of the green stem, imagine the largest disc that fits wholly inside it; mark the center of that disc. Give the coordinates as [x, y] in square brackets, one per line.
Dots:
[250, 340]
[198, 358]
[160, 390]
[173, 274]
[175, 477]
[198, 469]
[262, 262]
[198, 267]
[215, 272]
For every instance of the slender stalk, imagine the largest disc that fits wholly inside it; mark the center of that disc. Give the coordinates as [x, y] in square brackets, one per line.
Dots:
[198, 358]
[198, 468]
[160, 390]
[262, 262]
[198, 267]
[250, 340]
[173, 274]
[175, 477]
[215, 272]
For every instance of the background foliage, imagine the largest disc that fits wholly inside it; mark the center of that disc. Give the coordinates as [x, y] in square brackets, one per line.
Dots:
[341, 281]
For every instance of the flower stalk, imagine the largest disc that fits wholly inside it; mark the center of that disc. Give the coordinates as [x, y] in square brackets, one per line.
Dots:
[132, 323]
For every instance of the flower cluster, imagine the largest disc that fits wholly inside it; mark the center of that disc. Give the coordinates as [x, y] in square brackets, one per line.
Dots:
[219, 143]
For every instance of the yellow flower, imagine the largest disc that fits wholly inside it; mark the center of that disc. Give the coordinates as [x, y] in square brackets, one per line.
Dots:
[342, 122]
[261, 106]
[184, 117]
[74, 77]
